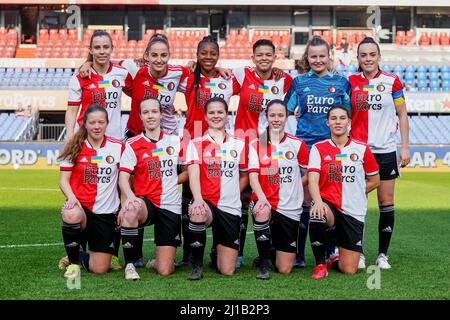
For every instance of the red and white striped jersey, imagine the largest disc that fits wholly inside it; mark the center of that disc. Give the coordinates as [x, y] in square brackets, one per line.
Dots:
[374, 119]
[279, 173]
[94, 175]
[343, 174]
[208, 88]
[154, 165]
[255, 94]
[219, 170]
[104, 90]
[164, 89]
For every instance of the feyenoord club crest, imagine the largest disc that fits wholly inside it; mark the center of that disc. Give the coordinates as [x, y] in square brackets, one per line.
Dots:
[331, 89]
[116, 83]
[170, 150]
[380, 87]
[110, 159]
[222, 86]
[289, 155]
[354, 157]
[171, 86]
[233, 153]
[275, 90]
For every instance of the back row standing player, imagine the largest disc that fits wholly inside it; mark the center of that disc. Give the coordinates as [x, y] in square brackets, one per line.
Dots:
[376, 98]
[259, 85]
[314, 93]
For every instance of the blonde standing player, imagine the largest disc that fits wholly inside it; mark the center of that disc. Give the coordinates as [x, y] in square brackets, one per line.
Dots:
[377, 98]
[89, 172]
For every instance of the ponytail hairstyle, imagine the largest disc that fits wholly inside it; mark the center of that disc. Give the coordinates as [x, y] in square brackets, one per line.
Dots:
[197, 71]
[314, 42]
[73, 146]
[264, 137]
[98, 33]
[158, 37]
[365, 41]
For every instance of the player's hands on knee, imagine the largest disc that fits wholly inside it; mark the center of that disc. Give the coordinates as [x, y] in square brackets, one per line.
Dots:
[262, 208]
[71, 203]
[318, 210]
[132, 203]
[120, 216]
[198, 207]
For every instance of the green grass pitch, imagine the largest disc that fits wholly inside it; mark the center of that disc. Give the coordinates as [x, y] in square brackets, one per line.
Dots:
[30, 231]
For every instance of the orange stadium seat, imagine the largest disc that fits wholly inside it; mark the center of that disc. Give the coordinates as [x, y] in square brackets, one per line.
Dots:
[444, 39]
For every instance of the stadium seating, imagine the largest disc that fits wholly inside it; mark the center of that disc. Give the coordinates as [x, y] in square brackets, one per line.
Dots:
[8, 42]
[35, 78]
[12, 127]
[428, 130]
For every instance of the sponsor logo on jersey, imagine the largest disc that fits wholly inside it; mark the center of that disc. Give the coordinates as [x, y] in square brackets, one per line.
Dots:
[96, 159]
[380, 87]
[222, 86]
[109, 159]
[393, 172]
[83, 160]
[357, 88]
[328, 158]
[341, 157]
[331, 89]
[277, 155]
[145, 156]
[264, 89]
[289, 155]
[112, 245]
[103, 84]
[236, 241]
[92, 86]
[208, 154]
[359, 243]
[275, 90]
[220, 153]
[307, 89]
[210, 85]
[233, 153]
[368, 88]
[177, 237]
[252, 86]
[158, 86]
[262, 238]
[127, 245]
[170, 150]
[354, 157]
[116, 83]
[265, 158]
[171, 86]
[157, 152]
[146, 83]
[293, 244]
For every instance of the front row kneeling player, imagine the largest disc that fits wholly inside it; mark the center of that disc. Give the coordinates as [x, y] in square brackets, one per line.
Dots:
[217, 172]
[153, 157]
[341, 172]
[275, 162]
[89, 170]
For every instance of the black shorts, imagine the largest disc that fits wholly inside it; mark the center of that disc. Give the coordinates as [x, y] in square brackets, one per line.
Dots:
[225, 227]
[100, 230]
[167, 225]
[349, 231]
[284, 232]
[388, 167]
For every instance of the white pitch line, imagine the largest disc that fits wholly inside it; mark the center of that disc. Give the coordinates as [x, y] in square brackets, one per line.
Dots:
[29, 189]
[31, 245]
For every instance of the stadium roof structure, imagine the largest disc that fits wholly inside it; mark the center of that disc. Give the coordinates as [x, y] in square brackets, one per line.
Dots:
[389, 3]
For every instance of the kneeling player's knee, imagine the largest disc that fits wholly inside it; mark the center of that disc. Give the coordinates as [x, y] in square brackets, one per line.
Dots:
[164, 270]
[226, 271]
[72, 216]
[348, 269]
[99, 268]
[284, 269]
[131, 216]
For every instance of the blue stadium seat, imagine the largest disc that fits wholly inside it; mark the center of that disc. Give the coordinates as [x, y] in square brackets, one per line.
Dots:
[422, 85]
[434, 75]
[386, 68]
[433, 68]
[445, 68]
[421, 75]
[434, 86]
[409, 75]
[422, 68]
[410, 68]
[398, 68]
[410, 84]
[446, 85]
[445, 75]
